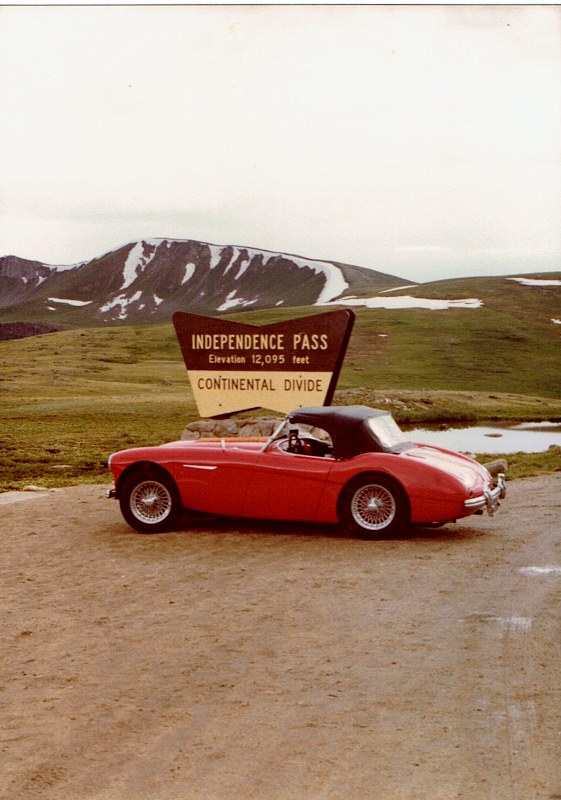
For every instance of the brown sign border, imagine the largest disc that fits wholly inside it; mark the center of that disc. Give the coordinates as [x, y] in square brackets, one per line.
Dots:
[319, 344]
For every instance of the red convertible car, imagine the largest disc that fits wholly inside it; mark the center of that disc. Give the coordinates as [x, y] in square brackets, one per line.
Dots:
[350, 465]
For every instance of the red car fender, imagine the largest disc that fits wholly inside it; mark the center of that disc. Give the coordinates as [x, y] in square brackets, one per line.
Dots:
[433, 494]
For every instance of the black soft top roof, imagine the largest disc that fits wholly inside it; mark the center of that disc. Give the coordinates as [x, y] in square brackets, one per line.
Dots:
[347, 426]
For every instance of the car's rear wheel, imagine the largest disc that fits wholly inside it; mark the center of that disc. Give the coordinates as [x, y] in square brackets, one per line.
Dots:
[150, 502]
[373, 506]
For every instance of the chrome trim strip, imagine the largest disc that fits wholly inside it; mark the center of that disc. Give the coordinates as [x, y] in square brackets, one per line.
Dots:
[200, 466]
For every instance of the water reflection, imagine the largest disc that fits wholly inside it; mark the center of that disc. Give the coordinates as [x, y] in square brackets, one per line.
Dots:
[525, 437]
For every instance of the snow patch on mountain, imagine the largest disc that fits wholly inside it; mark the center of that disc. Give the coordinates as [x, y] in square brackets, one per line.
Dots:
[335, 283]
[215, 255]
[535, 282]
[406, 301]
[70, 302]
[399, 288]
[243, 268]
[189, 272]
[140, 256]
[234, 302]
[123, 302]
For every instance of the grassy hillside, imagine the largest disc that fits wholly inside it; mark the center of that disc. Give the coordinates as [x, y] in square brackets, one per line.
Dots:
[68, 399]
[508, 345]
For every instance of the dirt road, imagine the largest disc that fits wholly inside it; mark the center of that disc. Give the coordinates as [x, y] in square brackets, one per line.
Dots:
[237, 661]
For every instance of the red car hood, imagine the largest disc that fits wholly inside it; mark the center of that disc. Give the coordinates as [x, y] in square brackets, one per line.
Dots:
[466, 469]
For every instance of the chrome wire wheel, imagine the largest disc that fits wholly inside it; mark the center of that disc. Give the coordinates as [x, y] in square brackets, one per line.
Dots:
[150, 502]
[149, 499]
[373, 507]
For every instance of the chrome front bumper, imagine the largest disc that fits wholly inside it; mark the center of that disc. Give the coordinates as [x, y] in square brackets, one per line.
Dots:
[490, 499]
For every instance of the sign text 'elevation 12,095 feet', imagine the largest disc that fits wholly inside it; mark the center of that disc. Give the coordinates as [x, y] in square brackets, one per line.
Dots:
[233, 366]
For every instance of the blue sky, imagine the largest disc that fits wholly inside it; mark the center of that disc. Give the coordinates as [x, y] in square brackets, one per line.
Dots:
[423, 141]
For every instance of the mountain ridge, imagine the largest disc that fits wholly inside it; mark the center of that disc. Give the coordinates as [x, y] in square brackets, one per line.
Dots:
[149, 279]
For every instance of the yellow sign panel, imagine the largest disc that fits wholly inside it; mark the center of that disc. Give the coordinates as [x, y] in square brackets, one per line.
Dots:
[217, 393]
[233, 366]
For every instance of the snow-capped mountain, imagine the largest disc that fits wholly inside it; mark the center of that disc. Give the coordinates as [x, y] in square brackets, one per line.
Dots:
[149, 280]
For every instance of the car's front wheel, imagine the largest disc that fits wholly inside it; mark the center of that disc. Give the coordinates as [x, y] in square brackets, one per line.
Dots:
[150, 502]
[374, 506]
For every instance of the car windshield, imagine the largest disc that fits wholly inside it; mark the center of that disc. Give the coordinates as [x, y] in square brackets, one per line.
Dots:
[278, 431]
[386, 430]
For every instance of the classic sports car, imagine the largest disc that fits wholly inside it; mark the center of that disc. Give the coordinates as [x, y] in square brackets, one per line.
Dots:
[350, 465]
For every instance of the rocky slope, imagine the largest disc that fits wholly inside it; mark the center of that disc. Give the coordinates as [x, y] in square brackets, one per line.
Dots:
[148, 280]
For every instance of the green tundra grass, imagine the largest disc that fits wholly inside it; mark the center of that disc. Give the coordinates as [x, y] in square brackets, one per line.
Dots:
[69, 399]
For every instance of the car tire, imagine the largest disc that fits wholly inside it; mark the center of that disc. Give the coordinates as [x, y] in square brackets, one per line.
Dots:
[150, 502]
[373, 507]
